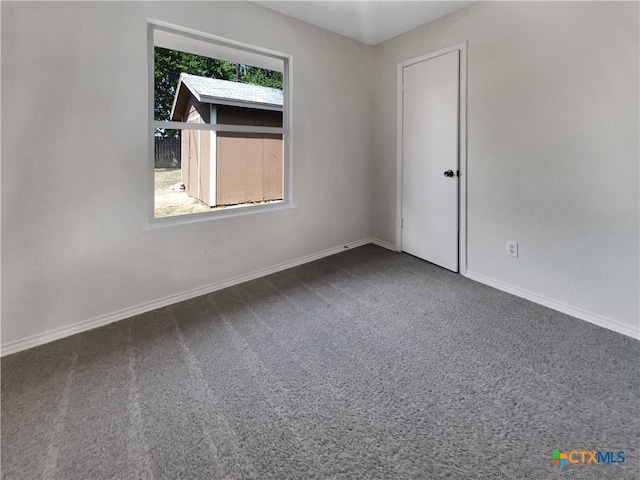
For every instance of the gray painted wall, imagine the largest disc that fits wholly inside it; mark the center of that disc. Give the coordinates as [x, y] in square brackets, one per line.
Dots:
[552, 147]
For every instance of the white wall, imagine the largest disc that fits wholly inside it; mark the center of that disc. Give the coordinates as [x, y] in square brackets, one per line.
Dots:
[74, 160]
[553, 149]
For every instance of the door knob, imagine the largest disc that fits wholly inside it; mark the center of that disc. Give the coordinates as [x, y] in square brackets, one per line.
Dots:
[449, 173]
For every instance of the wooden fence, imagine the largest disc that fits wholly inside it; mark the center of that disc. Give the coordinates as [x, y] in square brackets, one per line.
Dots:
[167, 152]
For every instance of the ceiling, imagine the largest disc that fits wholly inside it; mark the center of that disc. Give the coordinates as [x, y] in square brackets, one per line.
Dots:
[369, 22]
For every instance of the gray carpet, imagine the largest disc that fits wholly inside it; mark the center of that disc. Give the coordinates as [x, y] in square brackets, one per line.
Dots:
[368, 364]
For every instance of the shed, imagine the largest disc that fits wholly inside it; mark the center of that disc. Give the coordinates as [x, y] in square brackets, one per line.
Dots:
[229, 168]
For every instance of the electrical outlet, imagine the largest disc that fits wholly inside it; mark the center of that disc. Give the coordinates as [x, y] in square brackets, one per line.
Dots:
[512, 248]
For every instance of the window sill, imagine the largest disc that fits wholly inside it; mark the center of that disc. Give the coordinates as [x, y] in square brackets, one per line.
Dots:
[230, 215]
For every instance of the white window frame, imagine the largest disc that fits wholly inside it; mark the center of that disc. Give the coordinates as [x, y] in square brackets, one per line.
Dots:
[170, 36]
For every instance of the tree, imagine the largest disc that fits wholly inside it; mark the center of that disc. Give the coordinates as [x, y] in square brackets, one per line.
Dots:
[169, 64]
[260, 76]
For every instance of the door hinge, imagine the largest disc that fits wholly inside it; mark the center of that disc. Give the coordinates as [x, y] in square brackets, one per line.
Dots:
[401, 222]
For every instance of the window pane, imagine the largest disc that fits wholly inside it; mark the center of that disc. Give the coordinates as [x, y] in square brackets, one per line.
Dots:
[190, 87]
[199, 171]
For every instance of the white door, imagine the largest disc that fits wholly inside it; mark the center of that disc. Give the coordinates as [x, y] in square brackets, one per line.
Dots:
[430, 159]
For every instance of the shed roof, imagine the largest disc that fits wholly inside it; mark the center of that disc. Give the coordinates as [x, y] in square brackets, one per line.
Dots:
[224, 92]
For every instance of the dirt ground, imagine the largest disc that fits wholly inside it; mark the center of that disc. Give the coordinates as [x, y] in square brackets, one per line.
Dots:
[169, 202]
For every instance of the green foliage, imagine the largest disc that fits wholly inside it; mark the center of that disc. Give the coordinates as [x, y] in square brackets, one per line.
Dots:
[260, 76]
[169, 64]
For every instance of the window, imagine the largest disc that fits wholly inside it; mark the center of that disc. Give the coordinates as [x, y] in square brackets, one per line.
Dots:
[219, 123]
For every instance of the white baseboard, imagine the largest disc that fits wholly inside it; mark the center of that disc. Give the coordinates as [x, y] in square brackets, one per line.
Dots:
[559, 306]
[383, 244]
[56, 334]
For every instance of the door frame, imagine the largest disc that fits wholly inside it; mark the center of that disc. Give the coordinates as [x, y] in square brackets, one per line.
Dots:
[462, 148]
